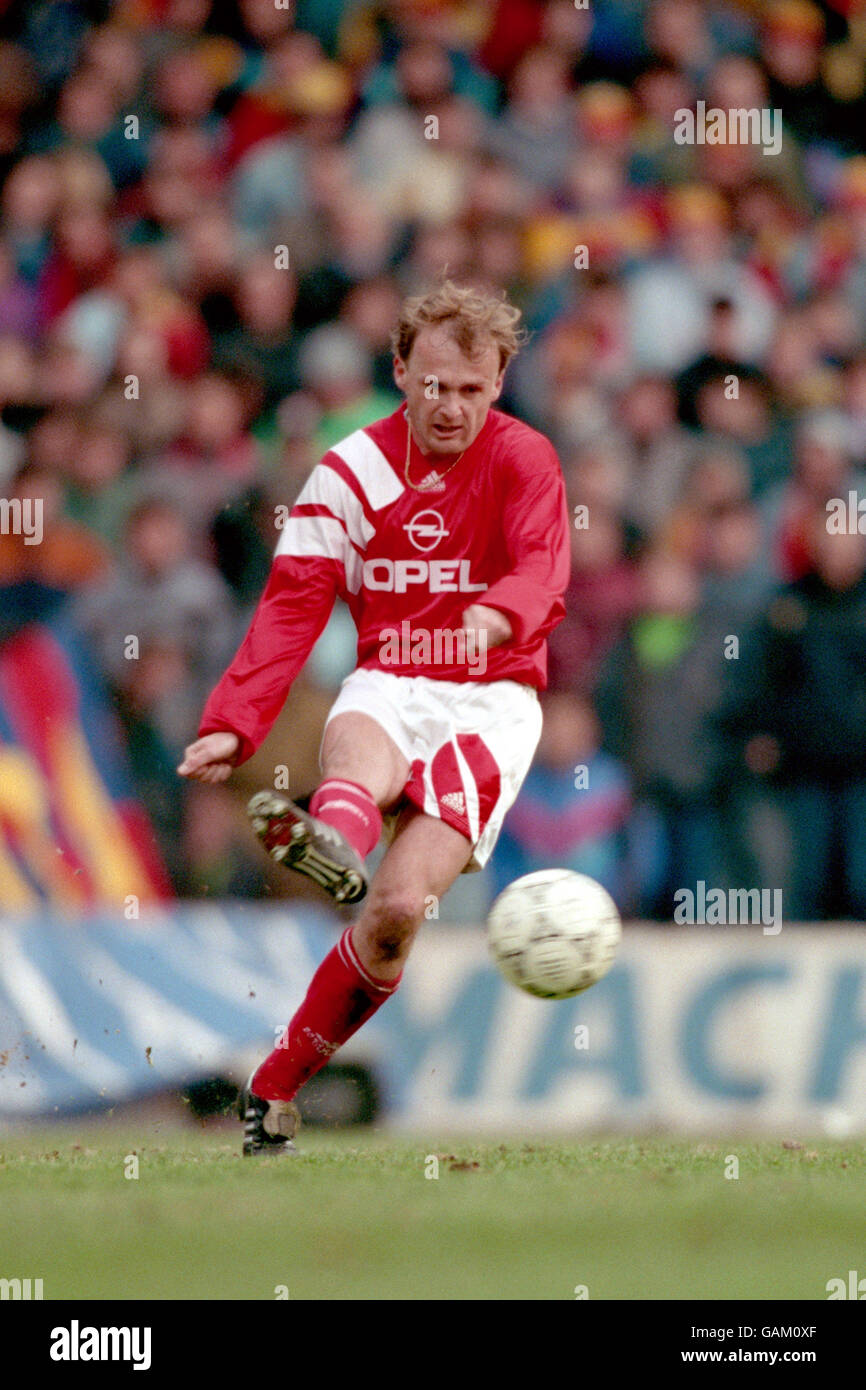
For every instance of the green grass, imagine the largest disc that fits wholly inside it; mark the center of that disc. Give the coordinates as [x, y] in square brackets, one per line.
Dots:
[356, 1218]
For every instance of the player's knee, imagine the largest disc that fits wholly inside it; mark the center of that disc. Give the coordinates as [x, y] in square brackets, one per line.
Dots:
[393, 919]
[388, 947]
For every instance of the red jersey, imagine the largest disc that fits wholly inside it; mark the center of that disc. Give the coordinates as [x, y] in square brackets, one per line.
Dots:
[408, 562]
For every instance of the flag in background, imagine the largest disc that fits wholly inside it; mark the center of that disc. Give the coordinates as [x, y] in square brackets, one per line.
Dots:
[71, 832]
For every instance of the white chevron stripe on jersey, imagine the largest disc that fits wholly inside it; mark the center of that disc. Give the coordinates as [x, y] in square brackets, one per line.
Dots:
[326, 488]
[322, 536]
[365, 459]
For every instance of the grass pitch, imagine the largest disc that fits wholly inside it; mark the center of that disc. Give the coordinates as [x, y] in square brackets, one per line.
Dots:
[356, 1217]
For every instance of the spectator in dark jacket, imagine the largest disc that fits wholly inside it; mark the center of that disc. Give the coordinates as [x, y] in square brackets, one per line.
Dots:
[797, 706]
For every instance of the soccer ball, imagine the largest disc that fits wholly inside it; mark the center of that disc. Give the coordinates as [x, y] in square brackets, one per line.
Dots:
[554, 933]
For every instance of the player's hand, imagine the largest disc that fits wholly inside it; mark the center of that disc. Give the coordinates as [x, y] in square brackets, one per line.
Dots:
[209, 759]
[479, 618]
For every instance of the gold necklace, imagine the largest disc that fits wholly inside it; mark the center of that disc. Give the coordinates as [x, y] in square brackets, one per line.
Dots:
[432, 478]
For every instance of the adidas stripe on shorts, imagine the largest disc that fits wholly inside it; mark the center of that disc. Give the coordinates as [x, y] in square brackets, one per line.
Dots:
[469, 745]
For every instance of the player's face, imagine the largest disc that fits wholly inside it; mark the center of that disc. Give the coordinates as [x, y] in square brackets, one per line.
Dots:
[448, 394]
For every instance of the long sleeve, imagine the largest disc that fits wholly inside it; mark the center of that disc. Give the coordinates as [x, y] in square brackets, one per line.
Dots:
[289, 619]
[536, 528]
[315, 561]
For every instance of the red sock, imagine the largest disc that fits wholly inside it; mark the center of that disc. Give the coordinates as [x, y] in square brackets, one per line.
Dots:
[341, 997]
[349, 808]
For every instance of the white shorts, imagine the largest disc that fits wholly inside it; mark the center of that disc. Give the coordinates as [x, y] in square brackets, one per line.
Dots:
[469, 745]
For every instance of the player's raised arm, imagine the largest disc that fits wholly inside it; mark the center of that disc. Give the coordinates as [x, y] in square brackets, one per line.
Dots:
[308, 571]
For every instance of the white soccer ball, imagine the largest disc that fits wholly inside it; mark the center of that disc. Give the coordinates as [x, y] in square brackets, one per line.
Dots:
[554, 933]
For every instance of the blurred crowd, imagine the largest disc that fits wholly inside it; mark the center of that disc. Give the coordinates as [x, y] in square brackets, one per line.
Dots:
[208, 216]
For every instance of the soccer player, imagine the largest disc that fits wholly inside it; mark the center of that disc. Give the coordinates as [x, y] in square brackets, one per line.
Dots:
[444, 527]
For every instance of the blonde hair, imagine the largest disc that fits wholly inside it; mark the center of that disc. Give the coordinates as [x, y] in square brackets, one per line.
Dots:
[472, 319]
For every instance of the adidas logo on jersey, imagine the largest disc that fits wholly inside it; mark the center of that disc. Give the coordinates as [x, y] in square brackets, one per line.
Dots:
[432, 483]
[454, 801]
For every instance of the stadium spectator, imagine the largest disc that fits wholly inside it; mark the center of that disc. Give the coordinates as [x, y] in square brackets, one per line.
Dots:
[821, 471]
[162, 625]
[796, 710]
[45, 547]
[336, 369]
[600, 601]
[260, 342]
[99, 484]
[573, 809]
[657, 695]
[662, 451]
[218, 859]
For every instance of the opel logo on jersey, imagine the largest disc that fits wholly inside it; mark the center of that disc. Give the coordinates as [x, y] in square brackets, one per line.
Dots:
[440, 576]
[426, 530]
